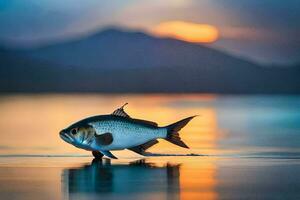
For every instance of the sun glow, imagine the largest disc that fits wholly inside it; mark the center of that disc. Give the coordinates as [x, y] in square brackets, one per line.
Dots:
[190, 32]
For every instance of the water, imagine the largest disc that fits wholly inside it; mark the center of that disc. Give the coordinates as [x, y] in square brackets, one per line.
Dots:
[249, 147]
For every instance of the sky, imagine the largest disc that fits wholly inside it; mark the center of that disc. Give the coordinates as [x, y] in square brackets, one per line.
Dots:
[266, 31]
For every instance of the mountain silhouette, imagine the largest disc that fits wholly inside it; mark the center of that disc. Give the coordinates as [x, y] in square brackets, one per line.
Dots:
[116, 60]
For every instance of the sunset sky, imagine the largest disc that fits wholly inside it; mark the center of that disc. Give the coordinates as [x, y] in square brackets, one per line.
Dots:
[265, 31]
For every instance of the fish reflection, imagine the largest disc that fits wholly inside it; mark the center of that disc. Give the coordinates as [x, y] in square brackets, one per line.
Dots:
[135, 180]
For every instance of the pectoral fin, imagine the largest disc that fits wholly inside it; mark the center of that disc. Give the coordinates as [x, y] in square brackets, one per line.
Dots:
[143, 147]
[108, 154]
[104, 139]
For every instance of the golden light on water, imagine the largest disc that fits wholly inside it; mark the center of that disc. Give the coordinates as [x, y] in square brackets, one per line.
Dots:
[29, 125]
[187, 31]
[41, 117]
[35, 130]
[199, 185]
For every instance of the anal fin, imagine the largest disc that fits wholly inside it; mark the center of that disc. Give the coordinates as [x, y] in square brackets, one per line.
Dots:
[108, 154]
[140, 149]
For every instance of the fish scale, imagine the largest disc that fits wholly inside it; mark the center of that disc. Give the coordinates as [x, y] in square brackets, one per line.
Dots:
[127, 134]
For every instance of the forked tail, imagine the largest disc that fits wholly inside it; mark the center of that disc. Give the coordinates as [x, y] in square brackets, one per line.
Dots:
[173, 129]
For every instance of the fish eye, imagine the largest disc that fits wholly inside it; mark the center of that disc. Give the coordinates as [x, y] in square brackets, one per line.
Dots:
[74, 131]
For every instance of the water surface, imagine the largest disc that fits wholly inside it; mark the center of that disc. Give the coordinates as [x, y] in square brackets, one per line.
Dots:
[249, 148]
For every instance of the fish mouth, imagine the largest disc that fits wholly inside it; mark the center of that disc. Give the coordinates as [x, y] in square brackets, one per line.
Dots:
[64, 136]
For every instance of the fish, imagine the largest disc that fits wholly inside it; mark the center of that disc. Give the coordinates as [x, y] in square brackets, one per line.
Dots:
[102, 134]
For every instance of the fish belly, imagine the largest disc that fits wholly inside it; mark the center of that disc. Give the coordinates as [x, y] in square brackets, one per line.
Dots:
[127, 135]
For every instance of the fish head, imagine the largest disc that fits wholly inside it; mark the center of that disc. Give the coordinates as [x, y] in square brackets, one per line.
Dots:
[79, 136]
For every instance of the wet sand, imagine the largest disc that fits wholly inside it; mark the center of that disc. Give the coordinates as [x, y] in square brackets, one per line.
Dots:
[149, 178]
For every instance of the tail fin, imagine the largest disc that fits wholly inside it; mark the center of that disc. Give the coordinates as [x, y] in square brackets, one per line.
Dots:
[173, 129]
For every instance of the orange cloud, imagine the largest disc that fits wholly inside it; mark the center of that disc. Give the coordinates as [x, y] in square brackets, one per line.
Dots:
[190, 32]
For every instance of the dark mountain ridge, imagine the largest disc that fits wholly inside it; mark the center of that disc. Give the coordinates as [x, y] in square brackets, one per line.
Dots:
[113, 48]
[120, 61]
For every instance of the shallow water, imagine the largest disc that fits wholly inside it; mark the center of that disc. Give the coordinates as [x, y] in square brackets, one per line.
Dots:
[250, 147]
[150, 178]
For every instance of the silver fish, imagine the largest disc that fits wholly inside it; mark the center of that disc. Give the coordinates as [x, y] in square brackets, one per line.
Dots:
[119, 131]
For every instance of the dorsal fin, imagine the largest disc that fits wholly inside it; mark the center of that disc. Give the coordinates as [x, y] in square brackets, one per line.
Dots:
[120, 112]
[146, 122]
